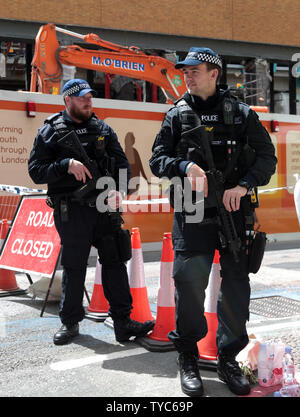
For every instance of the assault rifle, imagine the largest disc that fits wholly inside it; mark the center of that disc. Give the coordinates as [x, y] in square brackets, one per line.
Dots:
[115, 247]
[71, 143]
[227, 233]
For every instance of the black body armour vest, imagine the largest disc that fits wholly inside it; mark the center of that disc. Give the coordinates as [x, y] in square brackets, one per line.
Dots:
[227, 118]
[93, 140]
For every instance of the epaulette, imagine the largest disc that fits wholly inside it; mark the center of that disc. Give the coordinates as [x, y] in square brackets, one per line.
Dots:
[188, 117]
[244, 109]
[52, 117]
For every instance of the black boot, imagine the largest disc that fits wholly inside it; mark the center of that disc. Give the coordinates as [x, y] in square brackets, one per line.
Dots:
[191, 383]
[229, 371]
[65, 334]
[126, 328]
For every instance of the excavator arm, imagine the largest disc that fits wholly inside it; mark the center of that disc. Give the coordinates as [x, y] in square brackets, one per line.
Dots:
[112, 58]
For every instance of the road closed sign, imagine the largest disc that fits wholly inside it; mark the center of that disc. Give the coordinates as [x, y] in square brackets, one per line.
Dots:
[32, 244]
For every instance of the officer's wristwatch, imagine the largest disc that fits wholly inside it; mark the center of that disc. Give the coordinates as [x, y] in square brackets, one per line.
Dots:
[246, 185]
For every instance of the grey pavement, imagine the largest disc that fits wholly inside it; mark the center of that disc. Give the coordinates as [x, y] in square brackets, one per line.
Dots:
[95, 365]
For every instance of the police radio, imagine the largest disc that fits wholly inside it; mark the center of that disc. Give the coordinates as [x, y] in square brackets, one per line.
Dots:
[228, 111]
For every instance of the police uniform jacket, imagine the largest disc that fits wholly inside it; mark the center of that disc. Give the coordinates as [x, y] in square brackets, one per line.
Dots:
[48, 164]
[167, 162]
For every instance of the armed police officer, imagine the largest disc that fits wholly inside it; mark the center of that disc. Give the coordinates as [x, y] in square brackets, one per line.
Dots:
[70, 150]
[244, 158]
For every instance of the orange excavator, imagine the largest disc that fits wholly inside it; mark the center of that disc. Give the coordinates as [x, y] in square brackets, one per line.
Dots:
[108, 57]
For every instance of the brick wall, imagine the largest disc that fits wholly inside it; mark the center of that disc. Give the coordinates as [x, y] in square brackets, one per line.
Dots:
[267, 21]
[73, 12]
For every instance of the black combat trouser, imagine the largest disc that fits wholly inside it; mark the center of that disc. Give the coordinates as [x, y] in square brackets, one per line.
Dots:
[191, 273]
[85, 227]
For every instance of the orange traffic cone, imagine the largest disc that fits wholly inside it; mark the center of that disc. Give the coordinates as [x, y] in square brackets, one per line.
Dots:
[8, 283]
[158, 340]
[207, 348]
[136, 275]
[3, 231]
[98, 308]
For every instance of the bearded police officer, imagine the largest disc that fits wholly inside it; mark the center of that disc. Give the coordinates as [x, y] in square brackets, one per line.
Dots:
[78, 222]
[236, 131]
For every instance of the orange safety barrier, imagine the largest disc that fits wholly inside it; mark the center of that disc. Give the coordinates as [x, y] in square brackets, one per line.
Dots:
[141, 308]
[98, 308]
[8, 282]
[158, 340]
[8, 206]
[207, 347]
[260, 109]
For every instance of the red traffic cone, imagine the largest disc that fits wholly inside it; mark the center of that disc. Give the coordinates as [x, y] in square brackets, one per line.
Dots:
[8, 283]
[207, 347]
[158, 340]
[141, 308]
[98, 308]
